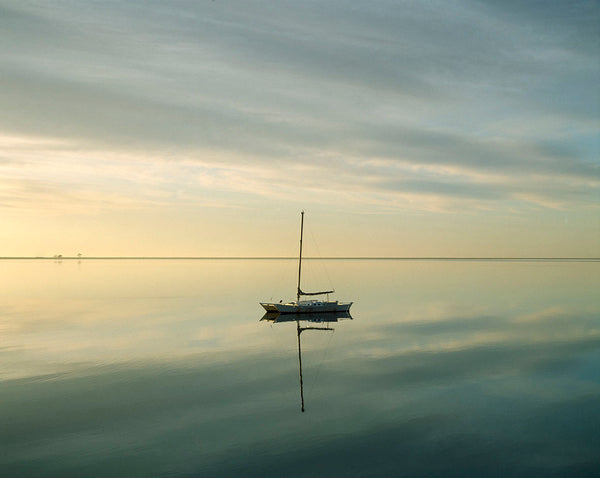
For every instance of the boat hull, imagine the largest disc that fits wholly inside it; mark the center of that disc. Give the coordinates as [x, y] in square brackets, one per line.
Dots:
[307, 307]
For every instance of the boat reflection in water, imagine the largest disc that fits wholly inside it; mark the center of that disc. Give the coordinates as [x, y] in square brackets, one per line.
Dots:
[317, 321]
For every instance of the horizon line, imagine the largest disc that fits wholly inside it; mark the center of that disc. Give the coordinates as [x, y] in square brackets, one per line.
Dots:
[398, 258]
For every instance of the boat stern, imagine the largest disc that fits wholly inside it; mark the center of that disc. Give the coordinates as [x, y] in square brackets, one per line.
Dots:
[269, 307]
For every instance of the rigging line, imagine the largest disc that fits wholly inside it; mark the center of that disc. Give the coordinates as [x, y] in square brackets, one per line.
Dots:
[281, 277]
[309, 394]
[321, 259]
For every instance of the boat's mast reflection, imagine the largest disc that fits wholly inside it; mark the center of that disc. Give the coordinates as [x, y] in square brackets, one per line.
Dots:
[300, 330]
[325, 318]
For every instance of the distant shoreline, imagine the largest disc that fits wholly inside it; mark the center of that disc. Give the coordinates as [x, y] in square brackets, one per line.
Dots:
[500, 259]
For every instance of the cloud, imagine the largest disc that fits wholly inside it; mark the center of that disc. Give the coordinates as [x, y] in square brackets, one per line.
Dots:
[449, 103]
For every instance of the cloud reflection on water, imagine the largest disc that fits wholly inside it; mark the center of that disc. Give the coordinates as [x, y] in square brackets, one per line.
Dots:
[109, 379]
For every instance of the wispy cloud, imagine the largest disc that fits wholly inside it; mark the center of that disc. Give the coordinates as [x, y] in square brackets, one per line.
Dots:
[411, 105]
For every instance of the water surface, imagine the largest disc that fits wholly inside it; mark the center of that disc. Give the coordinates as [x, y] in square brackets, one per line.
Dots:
[162, 368]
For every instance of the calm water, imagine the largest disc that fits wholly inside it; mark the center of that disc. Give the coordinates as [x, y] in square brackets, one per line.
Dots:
[162, 368]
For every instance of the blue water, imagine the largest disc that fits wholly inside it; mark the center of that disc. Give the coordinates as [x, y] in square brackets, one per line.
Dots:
[163, 368]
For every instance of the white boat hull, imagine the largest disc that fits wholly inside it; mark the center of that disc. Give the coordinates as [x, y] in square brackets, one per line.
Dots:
[307, 307]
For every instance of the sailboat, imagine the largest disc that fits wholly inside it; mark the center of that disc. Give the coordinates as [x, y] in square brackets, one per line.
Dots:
[310, 306]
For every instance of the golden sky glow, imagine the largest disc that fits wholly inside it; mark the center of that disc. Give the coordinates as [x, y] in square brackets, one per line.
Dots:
[203, 128]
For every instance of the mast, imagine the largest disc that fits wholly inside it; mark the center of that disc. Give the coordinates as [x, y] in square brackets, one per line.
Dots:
[300, 257]
[299, 291]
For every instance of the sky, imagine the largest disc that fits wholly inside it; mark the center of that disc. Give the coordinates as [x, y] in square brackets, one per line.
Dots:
[202, 128]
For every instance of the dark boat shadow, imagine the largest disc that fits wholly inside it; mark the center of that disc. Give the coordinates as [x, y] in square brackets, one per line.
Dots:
[319, 317]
